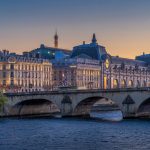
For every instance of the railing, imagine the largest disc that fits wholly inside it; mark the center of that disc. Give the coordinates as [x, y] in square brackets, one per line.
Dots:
[78, 91]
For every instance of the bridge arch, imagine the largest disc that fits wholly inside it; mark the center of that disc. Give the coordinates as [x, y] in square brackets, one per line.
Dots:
[77, 98]
[85, 105]
[35, 107]
[144, 108]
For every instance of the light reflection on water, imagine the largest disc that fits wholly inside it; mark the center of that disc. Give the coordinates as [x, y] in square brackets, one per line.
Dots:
[107, 115]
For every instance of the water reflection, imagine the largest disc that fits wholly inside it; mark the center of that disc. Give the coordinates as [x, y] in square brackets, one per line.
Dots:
[107, 115]
[106, 109]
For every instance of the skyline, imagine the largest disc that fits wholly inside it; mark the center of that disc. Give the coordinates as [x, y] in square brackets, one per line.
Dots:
[121, 26]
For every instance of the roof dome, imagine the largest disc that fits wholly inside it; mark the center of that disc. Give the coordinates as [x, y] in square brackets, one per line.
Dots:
[92, 50]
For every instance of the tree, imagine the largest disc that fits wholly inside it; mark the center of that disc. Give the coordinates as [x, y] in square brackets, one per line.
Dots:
[3, 100]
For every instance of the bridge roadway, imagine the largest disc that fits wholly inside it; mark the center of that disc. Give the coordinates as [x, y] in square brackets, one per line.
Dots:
[132, 102]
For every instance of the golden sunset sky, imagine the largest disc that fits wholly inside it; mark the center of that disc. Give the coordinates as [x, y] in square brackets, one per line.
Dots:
[122, 26]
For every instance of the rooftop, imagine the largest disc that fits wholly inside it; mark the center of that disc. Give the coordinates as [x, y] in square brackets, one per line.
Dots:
[127, 61]
[42, 46]
[92, 50]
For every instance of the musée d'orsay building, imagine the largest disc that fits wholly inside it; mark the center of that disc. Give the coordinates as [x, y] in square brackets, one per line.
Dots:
[116, 72]
[86, 66]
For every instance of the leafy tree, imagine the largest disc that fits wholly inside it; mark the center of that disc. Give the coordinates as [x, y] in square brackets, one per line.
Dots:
[3, 100]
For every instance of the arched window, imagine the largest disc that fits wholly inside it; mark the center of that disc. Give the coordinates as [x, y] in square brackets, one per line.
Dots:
[123, 83]
[115, 83]
[130, 84]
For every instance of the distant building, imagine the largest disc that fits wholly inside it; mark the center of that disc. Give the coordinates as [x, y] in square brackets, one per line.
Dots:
[77, 73]
[50, 53]
[120, 72]
[88, 66]
[23, 74]
[144, 57]
[116, 72]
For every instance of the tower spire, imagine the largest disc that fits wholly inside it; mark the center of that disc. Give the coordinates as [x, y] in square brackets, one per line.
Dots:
[56, 40]
[94, 38]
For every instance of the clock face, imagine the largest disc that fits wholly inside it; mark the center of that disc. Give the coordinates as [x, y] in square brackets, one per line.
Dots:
[11, 59]
[107, 63]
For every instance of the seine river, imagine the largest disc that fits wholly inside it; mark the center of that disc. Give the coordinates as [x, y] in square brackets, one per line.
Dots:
[74, 134]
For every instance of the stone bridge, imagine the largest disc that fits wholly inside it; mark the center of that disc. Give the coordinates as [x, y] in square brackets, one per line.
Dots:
[78, 102]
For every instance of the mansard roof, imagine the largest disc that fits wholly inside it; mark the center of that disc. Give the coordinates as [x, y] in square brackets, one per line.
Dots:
[92, 50]
[76, 61]
[83, 56]
[144, 57]
[21, 58]
[127, 61]
[43, 48]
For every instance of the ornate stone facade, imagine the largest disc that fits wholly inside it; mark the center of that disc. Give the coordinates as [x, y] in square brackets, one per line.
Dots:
[78, 73]
[24, 74]
[125, 73]
[116, 72]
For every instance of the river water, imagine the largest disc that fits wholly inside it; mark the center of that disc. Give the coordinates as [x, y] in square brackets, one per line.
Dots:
[74, 134]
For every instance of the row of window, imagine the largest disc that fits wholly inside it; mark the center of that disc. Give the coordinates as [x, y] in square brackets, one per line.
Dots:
[11, 74]
[26, 83]
[5, 67]
[26, 75]
[89, 78]
[24, 67]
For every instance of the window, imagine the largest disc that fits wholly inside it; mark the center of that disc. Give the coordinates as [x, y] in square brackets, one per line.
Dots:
[4, 67]
[4, 82]
[12, 66]
[25, 67]
[4, 74]
[12, 74]
[19, 82]
[12, 82]
[18, 67]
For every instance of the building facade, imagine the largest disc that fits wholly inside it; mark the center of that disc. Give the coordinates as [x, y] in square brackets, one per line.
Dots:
[80, 73]
[116, 72]
[125, 73]
[88, 66]
[24, 74]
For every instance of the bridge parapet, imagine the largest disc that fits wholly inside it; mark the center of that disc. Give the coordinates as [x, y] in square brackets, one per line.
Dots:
[69, 91]
[85, 97]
